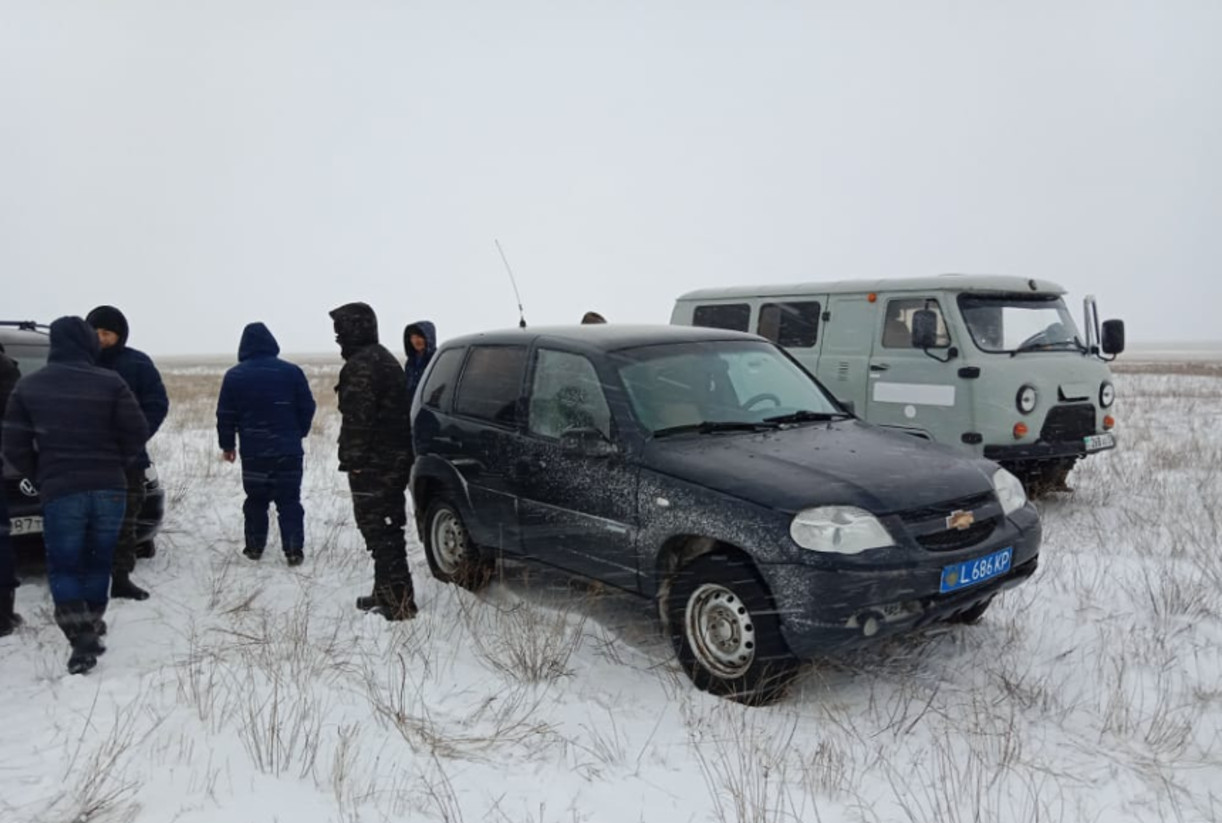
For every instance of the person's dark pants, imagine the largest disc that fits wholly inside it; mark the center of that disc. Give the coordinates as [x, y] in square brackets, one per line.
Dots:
[8, 566]
[125, 550]
[276, 480]
[379, 503]
[80, 532]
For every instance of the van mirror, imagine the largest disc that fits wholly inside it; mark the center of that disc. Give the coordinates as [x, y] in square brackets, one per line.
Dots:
[924, 329]
[587, 442]
[1112, 340]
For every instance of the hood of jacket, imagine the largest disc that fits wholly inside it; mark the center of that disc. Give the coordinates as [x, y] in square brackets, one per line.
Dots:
[356, 326]
[425, 329]
[73, 341]
[111, 319]
[257, 341]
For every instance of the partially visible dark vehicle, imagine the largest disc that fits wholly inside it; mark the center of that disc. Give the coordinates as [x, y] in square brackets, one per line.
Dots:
[28, 343]
[708, 470]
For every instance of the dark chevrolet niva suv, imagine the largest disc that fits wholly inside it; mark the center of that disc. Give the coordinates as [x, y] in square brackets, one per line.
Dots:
[707, 470]
[28, 343]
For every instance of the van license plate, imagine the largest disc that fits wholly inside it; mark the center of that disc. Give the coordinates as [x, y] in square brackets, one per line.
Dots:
[1098, 442]
[971, 572]
[25, 525]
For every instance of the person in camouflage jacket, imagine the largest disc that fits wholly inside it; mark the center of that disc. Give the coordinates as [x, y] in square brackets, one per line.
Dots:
[375, 450]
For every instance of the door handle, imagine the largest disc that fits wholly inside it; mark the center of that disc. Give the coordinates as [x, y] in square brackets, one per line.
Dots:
[879, 367]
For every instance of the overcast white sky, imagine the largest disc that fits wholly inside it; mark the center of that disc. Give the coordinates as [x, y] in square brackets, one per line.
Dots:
[205, 164]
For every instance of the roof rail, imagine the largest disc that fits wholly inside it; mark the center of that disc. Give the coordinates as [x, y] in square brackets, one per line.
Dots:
[24, 325]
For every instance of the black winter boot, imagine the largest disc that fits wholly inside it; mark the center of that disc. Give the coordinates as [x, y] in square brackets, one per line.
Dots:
[396, 602]
[9, 619]
[121, 586]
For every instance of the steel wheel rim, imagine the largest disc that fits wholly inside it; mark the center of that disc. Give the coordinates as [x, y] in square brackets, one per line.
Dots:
[449, 540]
[720, 631]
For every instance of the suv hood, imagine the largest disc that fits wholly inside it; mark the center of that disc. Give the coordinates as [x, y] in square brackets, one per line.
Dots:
[844, 462]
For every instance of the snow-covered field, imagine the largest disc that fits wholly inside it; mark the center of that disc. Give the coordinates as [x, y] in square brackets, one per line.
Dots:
[252, 692]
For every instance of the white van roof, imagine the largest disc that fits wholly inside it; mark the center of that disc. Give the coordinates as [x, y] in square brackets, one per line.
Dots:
[954, 282]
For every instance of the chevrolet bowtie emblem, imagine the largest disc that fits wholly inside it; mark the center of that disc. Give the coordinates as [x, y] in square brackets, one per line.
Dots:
[960, 520]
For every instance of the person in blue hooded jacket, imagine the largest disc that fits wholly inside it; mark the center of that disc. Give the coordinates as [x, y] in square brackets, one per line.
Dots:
[419, 342]
[265, 410]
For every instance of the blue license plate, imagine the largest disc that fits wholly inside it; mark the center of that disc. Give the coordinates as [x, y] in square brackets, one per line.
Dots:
[971, 572]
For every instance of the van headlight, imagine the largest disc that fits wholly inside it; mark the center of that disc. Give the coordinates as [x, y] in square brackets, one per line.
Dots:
[838, 530]
[1026, 399]
[1107, 395]
[1010, 493]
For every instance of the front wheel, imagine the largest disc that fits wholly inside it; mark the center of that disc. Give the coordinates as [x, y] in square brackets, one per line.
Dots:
[725, 631]
[452, 557]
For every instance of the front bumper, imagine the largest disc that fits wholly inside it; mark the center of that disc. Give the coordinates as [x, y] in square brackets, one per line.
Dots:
[824, 610]
[1038, 452]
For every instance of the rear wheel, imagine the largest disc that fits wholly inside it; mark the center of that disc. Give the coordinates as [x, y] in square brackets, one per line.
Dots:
[452, 557]
[724, 628]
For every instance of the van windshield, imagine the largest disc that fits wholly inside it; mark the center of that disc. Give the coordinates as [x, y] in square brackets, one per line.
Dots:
[1015, 323]
[720, 385]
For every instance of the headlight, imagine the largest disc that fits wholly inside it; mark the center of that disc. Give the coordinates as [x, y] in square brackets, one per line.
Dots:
[839, 530]
[1107, 395]
[1025, 400]
[1009, 491]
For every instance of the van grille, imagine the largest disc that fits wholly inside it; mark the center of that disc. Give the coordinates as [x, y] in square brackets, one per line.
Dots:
[1070, 422]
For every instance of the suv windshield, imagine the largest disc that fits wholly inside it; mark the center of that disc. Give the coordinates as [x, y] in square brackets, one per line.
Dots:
[1019, 322]
[722, 385]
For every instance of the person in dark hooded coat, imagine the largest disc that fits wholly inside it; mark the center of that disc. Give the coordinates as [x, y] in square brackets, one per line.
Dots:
[375, 450]
[137, 370]
[73, 428]
[266, 407]
[419, 342]
[9, 619]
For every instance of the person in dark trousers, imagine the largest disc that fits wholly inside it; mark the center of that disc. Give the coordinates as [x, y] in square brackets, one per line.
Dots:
[419, 342]
[266, 407]
[375, 449]
[142, 377]
[9, 619]
[73, 428]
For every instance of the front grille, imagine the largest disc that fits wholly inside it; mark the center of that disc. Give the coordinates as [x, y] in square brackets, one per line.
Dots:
[951, 539]
[943, 510]
[1070, 422]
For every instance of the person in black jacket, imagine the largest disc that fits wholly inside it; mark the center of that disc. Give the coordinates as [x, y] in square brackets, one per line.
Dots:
[266, 405]
[73, 428]
[9, 619]
[142, 377]
[419, 343]
[375, 449]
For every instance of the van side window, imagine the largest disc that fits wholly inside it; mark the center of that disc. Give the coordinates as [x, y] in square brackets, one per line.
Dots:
[566, 394]
[897, 327]
[491, 384]
[731, 316]
[793, 325]
[439, 388]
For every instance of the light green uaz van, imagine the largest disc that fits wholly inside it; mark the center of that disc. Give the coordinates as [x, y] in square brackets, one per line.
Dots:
[995, 365]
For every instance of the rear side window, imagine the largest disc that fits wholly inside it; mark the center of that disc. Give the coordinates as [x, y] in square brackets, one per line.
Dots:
[792, 325]
[732, 316]
[491, 384]
[439, 388]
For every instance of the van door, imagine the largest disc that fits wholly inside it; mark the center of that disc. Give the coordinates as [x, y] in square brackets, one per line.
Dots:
[845, 353]
[910, 389]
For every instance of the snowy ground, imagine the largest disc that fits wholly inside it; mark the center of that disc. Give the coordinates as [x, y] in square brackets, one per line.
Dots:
[252, 692]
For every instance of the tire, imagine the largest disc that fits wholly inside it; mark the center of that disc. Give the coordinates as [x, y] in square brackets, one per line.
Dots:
[452, 557]
[725, 631]
[971, 616]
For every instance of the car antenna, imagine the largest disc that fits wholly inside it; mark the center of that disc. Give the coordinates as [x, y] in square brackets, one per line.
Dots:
[514, 283]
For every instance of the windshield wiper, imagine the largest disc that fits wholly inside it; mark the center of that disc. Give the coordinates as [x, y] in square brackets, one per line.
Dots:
[1045, 346]
[806, 416]
[712, 426]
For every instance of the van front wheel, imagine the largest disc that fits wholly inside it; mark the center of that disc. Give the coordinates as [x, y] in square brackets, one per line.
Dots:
[725, 631]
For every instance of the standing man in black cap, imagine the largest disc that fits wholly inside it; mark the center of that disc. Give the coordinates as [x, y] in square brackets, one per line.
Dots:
[375, 449]
[142, 377]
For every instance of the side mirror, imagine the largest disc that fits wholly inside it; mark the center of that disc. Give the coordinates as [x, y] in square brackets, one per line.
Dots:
[924, 329]
[1112, 341]
[586, 442]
